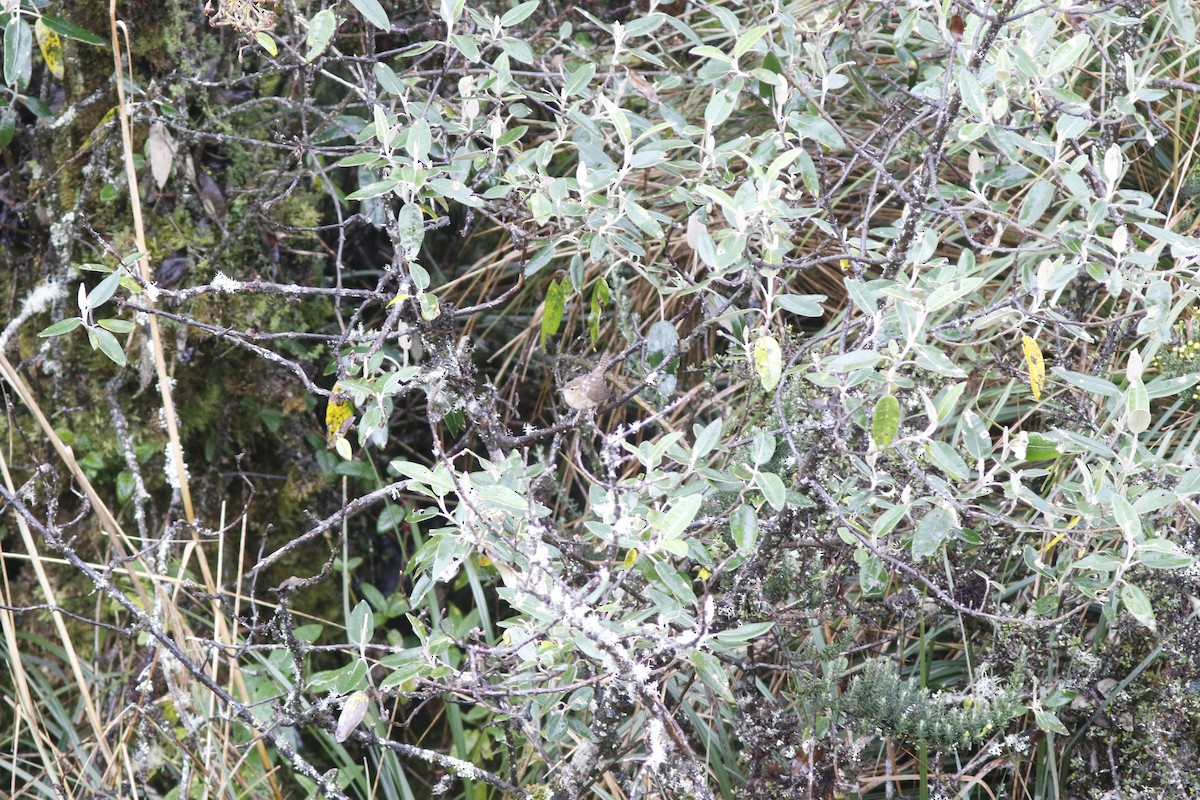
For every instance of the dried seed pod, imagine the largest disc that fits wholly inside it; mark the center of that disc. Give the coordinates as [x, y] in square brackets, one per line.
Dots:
[352, 714]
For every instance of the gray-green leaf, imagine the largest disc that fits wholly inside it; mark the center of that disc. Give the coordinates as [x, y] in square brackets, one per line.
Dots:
[374, 13]
[932, 530]
[106, 343]
[320, 31]
[18, 51]
[361, 626]
[1137, 603]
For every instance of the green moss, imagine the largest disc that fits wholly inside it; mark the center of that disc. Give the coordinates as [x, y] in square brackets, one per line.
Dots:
[299, 210]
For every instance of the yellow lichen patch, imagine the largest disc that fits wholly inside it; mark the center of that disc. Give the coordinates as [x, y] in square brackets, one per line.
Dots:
[338, 415]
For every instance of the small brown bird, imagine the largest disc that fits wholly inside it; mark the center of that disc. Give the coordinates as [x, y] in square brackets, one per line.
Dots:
[588, 391]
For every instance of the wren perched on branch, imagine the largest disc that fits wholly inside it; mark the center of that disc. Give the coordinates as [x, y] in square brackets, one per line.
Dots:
[588, 391]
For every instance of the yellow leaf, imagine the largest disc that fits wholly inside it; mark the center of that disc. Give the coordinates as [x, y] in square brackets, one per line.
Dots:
[768, 362]
[338, 414]
[1036, 364]
[266, 43]
[51, 47]
[631, 558]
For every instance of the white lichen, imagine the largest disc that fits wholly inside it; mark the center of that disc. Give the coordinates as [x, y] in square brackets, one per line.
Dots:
[42, 296]
[171, 471]
[657, 745]
[225, 284]
[34, 303]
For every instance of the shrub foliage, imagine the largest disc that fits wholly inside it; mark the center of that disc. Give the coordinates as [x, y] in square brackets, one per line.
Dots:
[712, 399]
